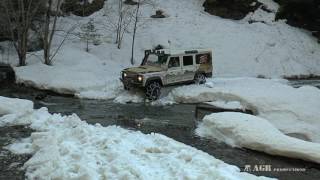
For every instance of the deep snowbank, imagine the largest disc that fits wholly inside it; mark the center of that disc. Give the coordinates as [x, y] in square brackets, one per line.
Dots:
[271, 49]
[64, 147]
[291, 110]
[242, 130]
[74, 71]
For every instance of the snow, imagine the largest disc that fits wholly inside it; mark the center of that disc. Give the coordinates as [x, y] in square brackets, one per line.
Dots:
[64, 147]
[227, 104]
[73, 72]
[271, 49]
[14, 106]
[129, 97]
[291, 110]
[243, 130]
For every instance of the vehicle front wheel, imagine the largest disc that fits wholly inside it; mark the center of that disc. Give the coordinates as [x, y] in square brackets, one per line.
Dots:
[153, 91]
[200, 78]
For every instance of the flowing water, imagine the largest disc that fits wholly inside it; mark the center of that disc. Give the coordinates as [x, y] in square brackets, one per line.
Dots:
[175, 121]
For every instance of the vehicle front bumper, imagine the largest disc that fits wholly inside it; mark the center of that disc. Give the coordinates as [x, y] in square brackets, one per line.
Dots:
[131, 83]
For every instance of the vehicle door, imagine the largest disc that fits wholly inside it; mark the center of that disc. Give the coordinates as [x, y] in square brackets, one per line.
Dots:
[174, 73]
[188, 67]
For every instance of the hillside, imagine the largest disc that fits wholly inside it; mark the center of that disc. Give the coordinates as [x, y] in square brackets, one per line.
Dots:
[254, 46]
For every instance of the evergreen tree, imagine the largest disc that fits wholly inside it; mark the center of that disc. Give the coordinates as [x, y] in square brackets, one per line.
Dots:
[89, 34]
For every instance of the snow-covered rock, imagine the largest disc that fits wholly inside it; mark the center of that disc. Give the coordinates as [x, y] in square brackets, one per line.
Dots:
[14, 106]
[291, 110]
[64, 147]
[243, 130]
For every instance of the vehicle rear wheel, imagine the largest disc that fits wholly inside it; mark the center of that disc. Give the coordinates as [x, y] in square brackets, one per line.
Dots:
[200, 78]
[153, 91]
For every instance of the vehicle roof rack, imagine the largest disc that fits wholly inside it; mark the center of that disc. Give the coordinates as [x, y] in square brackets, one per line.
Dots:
[191, 51]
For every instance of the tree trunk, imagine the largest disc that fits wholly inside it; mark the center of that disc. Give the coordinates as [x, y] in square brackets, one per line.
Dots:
[23, 48]
[134, 33]
[48, 33]
[87, 49]
[22, 60]
[46, 56]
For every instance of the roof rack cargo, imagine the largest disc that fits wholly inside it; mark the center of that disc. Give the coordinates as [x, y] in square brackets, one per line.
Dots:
[191, 51]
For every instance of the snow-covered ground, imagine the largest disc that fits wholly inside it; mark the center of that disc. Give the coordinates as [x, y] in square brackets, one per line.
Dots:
[291, 110]
[256, 133]
[271, 49]
[64, 147]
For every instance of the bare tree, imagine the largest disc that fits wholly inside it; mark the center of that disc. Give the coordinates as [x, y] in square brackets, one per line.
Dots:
[134, 31]
[19, 14]
[120, 22]
[137, 20]
[124, 20]
[49, 28]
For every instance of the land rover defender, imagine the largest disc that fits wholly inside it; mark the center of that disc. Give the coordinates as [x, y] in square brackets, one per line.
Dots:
[166, 67]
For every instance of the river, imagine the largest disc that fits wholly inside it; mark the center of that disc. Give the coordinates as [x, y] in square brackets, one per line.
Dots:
[175, 121]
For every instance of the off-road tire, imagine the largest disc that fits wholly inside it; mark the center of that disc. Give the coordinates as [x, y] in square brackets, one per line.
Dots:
[153, 90]
[199, 78]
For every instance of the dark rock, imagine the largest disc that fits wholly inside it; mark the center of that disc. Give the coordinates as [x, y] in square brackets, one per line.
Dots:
[231, 9]
[254, 21]
[7, 74]
[40, 96]
[265, 8]
[130, 2]
[159, 14]
[301, 13]
[82, 8]
[159, 46]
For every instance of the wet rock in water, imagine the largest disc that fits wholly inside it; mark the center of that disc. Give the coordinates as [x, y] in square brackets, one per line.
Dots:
[159, 14]
[231, 9]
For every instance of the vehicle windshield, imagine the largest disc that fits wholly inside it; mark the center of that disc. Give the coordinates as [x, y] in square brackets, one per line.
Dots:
[156, 60]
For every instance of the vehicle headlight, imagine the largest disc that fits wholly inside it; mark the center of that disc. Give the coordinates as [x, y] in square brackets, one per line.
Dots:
[140, 78]
[124, 74]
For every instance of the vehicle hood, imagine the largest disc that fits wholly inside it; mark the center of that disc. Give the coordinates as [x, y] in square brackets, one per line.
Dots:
[144, 69]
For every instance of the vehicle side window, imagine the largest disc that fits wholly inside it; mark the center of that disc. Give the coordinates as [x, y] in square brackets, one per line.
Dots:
[174, 62]
[203, 58]
[187, 60]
